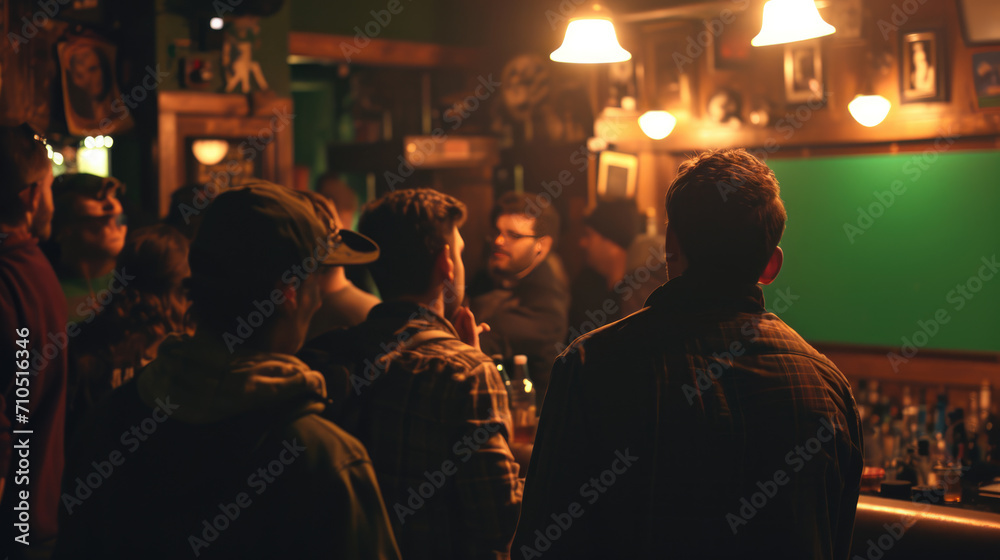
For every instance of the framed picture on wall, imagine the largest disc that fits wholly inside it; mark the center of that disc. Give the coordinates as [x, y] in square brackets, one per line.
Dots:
[980, 21]
[922, 67]
[804, 72]
[616, 175]
[986, 77]
[90, 88]
[670, 74]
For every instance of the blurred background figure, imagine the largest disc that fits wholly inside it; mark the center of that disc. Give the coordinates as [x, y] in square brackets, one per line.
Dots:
[88, 231]
[524, 294]
[608, 232]
[125, 335]
[32, 317]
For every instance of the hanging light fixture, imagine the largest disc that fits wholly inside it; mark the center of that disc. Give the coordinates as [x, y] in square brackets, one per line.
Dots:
[210, 152]
[657, 124]
[786, 21]
[869, 110]
[591, 38]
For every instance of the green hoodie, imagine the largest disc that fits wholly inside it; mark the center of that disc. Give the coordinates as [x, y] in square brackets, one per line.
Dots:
[207, 456]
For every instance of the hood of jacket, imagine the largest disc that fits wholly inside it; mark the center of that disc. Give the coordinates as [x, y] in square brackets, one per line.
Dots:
[207, 384]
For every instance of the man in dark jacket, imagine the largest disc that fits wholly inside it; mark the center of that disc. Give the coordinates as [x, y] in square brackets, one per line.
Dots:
[217, 448]
[429, 406]
[523, 296]
[701, 426]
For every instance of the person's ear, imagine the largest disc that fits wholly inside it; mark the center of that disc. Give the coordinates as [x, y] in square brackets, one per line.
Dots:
[543, 245]
[290, 294]
[444, 265]
[773, 267]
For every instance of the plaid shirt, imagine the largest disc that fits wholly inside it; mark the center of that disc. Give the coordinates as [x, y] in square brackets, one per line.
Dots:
[701, 426]
[433, 414]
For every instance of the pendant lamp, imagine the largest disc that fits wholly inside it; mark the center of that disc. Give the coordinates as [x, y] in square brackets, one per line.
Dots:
[590, 38]
[786, 21]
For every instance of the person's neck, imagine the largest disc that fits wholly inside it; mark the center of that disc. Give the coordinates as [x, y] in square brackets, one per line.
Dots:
[433, 300]
[88, 268]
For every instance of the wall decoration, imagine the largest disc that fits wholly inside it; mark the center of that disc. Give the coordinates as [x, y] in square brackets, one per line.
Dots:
[92, 101]
[242, 37]
[980, 21]
[616, 175]
[725, 108]
[923, 67]
[804, 72]
[731, 47]
[986, 77]
[848, 17]
[670, 70]
[540, 100]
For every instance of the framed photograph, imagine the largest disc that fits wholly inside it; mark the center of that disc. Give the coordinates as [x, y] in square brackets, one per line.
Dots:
[804, 72]
[731, 48]
[980, 21]
[616, 175]
[922, 67]
[986, 77]
[90, 88]
[669, 73]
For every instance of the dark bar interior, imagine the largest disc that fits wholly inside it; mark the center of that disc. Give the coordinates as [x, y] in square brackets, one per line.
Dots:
[528, 279]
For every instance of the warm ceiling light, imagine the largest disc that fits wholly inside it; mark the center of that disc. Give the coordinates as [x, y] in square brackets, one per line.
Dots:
[786, 21]
[210, 152]
[657, 124]
[591, 38]
[869, 110]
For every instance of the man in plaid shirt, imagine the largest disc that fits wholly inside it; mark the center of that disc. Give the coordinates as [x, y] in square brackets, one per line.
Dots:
[429, 406]
[701, 426]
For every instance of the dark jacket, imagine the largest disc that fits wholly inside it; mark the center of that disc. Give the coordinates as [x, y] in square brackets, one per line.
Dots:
[200, 456]
[699, 427]
[433, 413]
[529, 319]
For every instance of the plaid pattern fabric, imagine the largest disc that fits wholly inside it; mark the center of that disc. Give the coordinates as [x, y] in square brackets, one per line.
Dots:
[435, 420]
[699, 427]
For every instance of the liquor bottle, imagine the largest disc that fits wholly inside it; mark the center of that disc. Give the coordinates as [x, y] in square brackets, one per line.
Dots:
[523, 399]
[502, 370]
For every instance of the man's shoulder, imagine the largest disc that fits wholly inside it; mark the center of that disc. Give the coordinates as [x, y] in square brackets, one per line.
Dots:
[327, 445]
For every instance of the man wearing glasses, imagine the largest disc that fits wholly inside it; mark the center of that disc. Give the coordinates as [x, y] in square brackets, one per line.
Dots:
[524, 294]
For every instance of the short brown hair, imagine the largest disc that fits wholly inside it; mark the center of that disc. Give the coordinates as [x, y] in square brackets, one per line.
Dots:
[530, 206]
[725, 209]
[411, 227]
[22, 157]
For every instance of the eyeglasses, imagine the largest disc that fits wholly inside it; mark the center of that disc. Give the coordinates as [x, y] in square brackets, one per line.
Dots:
[510, 236]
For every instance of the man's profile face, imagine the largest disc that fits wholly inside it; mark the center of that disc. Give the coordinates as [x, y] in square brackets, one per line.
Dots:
[41, 221]
[455, 292]
[97, 227]
[514, 248]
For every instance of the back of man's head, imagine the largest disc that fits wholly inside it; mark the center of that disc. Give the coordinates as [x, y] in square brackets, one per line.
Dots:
[252, 238]
[23, 160]
[533, 206]
[724, 207]
[411, 227]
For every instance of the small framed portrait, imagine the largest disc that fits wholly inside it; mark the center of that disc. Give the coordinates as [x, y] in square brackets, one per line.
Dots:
[922, 67]
[670, 78]
[804, 72]
[986, 77]
[90, 90]
[616, 175]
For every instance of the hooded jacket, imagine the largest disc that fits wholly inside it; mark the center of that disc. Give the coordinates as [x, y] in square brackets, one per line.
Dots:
[205, 456]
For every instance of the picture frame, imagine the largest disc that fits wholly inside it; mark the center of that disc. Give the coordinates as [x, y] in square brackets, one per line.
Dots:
[616, 175]
[923, 67]
[90, 89]
[986, 79]
[731, 48]
[980, 21]
[669, 75]
[804, 73]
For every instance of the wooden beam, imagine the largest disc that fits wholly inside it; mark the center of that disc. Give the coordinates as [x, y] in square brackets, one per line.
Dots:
[342, 49]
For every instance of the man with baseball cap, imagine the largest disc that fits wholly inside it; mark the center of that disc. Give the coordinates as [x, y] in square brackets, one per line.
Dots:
[219, 442]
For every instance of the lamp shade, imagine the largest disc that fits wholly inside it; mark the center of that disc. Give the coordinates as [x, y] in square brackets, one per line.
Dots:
[590, 40]
[786, 21]
[657, 124]
[210, 152]
[869, 110]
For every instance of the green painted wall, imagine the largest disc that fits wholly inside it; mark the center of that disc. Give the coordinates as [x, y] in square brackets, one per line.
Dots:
[902, 266]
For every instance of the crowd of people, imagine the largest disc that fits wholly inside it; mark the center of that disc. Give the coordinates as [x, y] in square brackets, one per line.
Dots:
[225, 390]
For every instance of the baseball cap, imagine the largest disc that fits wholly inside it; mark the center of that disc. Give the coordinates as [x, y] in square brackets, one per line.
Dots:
[264, 228]
[616, 219]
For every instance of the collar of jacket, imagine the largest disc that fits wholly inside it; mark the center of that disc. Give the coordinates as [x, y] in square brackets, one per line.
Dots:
[690, 292]
[397, 316]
